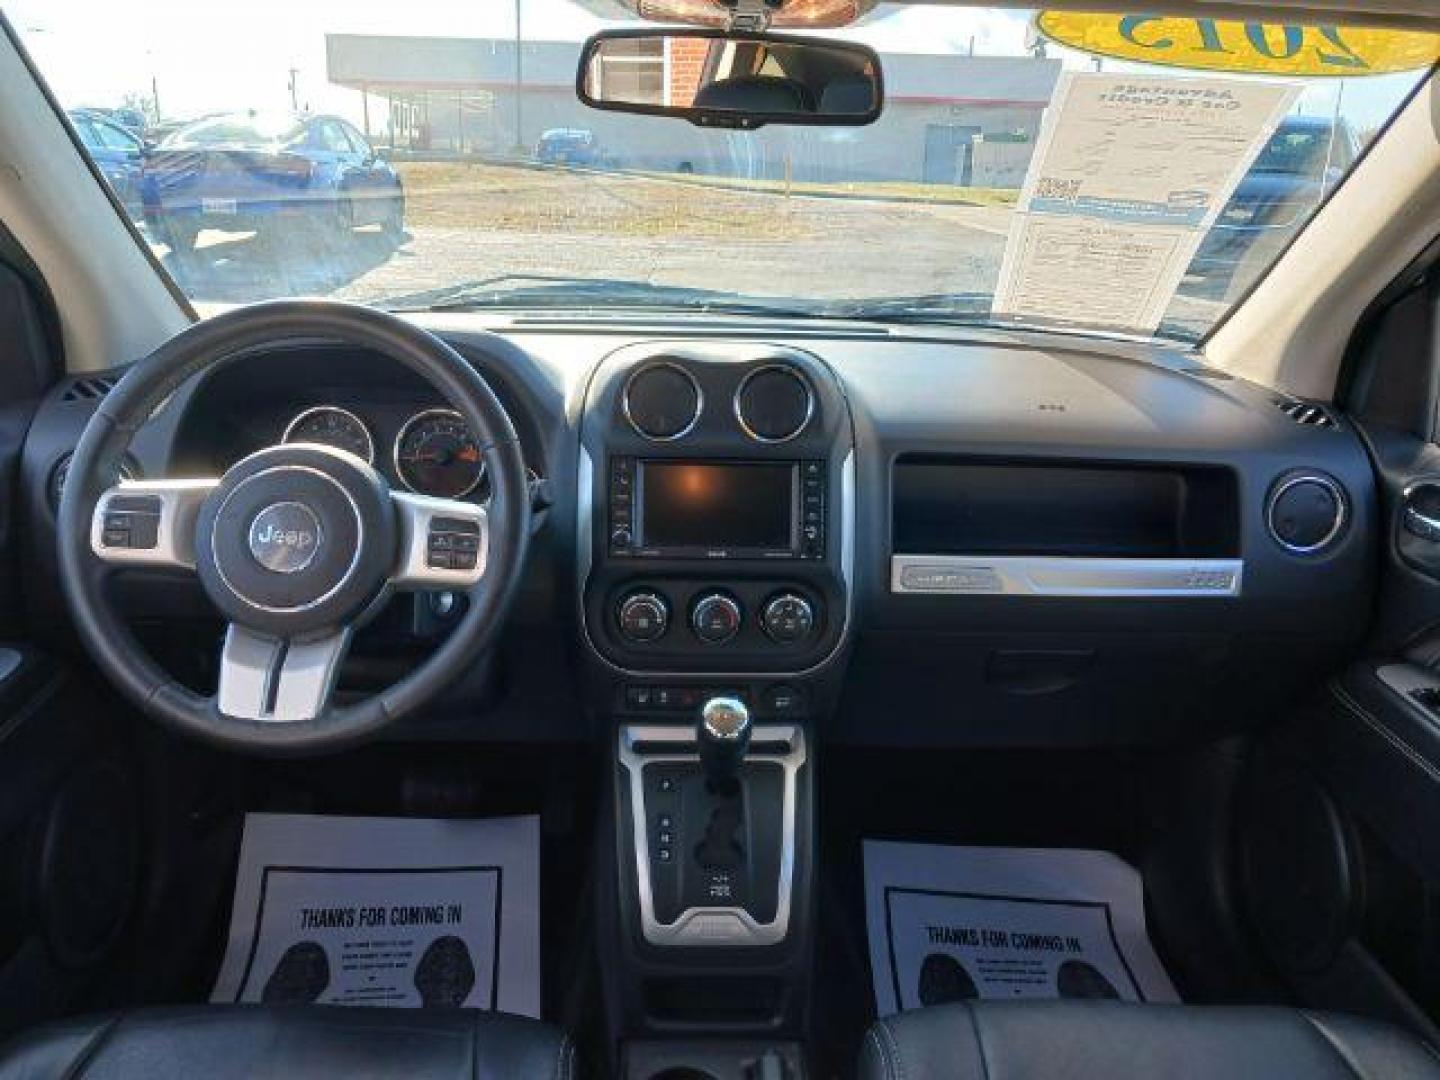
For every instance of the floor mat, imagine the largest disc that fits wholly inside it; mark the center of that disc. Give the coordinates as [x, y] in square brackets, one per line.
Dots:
[957, 923]
[400, 912]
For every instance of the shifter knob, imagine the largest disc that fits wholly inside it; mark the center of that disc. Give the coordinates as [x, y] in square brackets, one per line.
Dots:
[724, 737]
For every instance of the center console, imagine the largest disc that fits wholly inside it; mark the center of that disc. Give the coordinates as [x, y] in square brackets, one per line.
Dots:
[717, 497]
[716, 536]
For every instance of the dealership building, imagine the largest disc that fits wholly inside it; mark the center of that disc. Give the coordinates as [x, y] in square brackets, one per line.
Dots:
[949, 119]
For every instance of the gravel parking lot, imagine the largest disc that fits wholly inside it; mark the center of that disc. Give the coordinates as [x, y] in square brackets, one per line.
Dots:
[474, 222]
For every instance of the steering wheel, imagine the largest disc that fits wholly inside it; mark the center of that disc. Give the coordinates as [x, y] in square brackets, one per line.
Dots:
[295, 546]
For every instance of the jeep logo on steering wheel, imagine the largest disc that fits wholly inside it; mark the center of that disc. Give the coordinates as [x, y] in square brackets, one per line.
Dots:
[284, 537]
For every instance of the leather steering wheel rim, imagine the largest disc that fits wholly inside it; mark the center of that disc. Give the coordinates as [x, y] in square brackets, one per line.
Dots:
[217, 340]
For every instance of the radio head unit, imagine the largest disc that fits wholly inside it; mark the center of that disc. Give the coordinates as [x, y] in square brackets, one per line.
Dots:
[671, 508]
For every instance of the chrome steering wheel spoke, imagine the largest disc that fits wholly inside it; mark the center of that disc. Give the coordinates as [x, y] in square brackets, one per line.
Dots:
[443, 543]
[275, 680]
[149, 523]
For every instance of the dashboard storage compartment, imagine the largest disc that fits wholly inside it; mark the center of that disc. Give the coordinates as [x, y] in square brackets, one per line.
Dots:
[1079, 510]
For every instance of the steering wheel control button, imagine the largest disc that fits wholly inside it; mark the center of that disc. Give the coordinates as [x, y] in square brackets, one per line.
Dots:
[452, 544]
[131, 521]
[716, 618]
[285, 537]
[787, 619]
[643, 617]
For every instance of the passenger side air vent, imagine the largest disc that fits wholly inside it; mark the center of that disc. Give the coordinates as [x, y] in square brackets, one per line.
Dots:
[1306, 512]
[1305, 412]
[91, 388]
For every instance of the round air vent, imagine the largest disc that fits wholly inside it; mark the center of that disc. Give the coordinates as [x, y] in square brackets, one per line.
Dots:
[1306, 513]
[774, 403]
[662, 401]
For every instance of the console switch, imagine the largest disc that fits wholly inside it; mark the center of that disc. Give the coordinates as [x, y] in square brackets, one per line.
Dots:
[643, 617]
[716, 618]
[788, 618]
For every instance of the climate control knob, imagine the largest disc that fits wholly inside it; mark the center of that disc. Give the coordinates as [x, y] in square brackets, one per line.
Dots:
[788, 618]
[643, 616]
[715, 618]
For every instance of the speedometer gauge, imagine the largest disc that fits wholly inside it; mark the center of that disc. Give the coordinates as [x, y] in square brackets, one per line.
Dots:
[435, 454]
[331, 426]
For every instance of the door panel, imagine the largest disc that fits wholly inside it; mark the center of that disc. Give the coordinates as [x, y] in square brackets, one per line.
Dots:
[1368, 742]
[25, 371]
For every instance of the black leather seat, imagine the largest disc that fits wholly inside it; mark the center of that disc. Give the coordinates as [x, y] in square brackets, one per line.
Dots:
[258, 1042]
[1112, 1041]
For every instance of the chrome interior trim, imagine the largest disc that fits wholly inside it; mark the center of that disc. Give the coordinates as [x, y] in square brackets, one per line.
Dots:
[425, 414]
[269, 679]
[584, 544]
[1342, 513]
[307, 413]
[710, 927]
[1037, 575]
[180, 503]
[699, 401]
[809, 403]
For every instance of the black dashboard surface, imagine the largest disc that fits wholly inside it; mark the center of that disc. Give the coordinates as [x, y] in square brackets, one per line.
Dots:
[993, 669]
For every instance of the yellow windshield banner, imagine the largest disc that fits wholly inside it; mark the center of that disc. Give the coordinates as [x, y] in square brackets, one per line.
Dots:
[1268, 48]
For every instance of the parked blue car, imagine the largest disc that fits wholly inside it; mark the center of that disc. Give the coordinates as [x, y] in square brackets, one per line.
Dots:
[569, 146]
[1303, 161]
[284, 177]
[118, 153]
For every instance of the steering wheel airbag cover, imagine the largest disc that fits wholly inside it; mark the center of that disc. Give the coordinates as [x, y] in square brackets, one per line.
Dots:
[348, 550]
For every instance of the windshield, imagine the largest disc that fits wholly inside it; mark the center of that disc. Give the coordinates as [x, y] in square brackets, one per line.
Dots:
[1304, 150]
[432, 155]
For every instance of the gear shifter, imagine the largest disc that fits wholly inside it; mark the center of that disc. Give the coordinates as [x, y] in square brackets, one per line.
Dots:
[724, 736]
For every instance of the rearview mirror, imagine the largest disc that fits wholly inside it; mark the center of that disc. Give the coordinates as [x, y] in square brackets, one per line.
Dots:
[716, 78]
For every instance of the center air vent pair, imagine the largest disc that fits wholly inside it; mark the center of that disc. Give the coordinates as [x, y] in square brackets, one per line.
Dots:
[772, 404]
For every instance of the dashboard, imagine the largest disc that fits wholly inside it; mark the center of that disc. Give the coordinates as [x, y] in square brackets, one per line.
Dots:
[949, 537]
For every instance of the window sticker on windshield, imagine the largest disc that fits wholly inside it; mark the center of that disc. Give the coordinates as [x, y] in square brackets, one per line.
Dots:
[1129, 174]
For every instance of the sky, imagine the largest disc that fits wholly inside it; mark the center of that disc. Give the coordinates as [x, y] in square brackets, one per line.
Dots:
[207, 55]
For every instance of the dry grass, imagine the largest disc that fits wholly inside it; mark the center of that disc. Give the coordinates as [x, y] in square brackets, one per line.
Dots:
[949, 194]
[463, 195]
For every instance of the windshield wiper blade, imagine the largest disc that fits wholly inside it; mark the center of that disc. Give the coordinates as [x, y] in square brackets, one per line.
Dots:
[540, 290]
[968, 307]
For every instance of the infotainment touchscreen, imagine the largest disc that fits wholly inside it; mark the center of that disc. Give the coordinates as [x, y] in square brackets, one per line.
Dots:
[730, 506]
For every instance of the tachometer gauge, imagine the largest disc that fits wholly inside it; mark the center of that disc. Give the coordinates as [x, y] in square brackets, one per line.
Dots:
[435, 454]
[331, 426]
